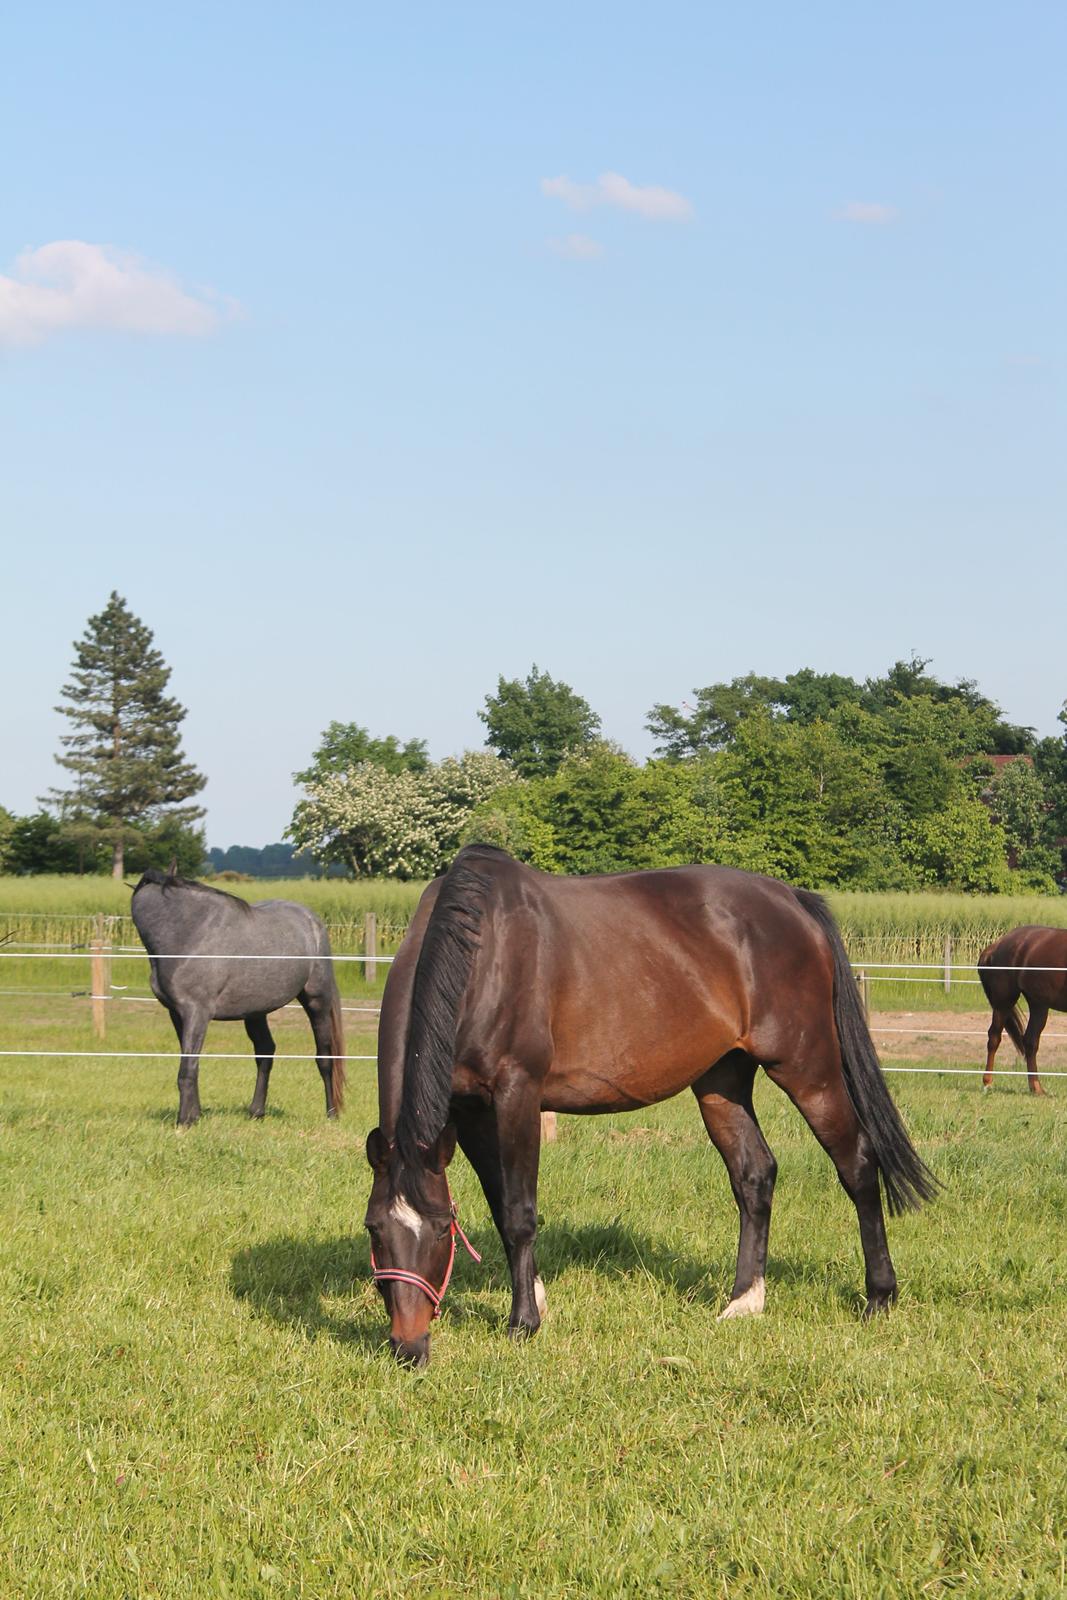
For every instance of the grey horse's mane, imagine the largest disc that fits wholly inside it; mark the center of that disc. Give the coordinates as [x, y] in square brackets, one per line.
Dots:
[174, 880]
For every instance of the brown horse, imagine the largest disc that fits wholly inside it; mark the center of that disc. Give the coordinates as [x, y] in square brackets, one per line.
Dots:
[1031, 962]
[516, 991]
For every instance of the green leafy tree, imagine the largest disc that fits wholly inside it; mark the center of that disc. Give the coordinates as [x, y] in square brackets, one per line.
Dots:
[797, 802]
[158, 844]
[808, 696]
[345, 745]
[600, 812]
[910, 681]
[604, 812]
[535, 723]
[7, 825]
[1019, 803]
[39, 843]
[719, 710]
[1050, 763]
[512, 818]
[959, 847]
[125, 752]
[713, 721]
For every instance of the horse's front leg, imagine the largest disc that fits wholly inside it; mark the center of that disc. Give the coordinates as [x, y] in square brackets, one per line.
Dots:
[502, 1142]
[190, 1025]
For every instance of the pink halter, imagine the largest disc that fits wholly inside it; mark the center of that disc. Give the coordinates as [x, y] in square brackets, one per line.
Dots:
[400, 1275]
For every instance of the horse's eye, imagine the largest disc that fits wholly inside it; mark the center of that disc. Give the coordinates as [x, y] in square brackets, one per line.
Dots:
[442, 1233]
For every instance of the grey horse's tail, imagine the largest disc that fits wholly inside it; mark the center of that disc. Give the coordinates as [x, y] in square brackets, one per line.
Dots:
[337, 1051]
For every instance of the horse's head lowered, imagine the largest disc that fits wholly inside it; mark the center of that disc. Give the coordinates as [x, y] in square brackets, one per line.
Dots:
[412, 1240]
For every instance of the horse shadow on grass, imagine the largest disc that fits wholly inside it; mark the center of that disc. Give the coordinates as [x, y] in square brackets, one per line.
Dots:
[302, 1283]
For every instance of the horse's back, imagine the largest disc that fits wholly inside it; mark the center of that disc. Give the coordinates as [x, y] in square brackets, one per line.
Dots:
[246, 958]
[630, 984]
[1031, 959]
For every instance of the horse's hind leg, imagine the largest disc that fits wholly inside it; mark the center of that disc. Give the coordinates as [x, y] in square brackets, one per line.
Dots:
[818, 1091]
[263, 1044]
[1031, 1039]
[502, 1142]
[996, 1033]
[724, 1095]
[317, 1008]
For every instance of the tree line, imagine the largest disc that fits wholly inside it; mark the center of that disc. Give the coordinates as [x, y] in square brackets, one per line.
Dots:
[901, 781]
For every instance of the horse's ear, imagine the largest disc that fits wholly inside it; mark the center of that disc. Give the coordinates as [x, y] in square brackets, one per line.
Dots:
[440, 1153]
[378, 1148]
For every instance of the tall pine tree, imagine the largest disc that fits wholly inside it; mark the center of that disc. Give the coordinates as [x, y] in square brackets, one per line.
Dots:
[125, 751]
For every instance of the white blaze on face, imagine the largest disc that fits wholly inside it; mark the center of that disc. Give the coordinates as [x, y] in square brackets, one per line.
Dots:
[749, 1304]
[406, 1215]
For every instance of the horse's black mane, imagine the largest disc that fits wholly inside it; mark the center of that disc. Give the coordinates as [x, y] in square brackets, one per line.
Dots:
[449, 945]
[174, 880]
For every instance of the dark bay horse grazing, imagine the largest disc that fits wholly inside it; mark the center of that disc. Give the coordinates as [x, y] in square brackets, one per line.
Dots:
[176, 917]
[516, 991]
[1012, 967]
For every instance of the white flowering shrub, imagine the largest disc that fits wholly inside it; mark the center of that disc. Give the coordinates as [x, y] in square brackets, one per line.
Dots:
[396, 824]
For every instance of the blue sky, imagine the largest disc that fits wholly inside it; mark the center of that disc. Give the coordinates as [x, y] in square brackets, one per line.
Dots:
[360, 405]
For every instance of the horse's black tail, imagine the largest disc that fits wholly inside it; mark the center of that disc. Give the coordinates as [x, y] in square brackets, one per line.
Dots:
[906, 1178]
[337, 1051]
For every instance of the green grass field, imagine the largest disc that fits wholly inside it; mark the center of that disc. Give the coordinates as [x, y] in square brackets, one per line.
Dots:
[195, 1400]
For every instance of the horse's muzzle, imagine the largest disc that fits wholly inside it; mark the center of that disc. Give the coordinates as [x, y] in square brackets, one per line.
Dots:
[413, 1353]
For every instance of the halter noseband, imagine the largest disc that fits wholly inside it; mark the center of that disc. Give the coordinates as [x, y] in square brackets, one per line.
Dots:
[401, 1275]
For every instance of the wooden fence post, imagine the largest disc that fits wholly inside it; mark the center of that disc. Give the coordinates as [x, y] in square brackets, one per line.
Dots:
[100, 977]
[948, 962]
[370, 946]
[865, 993]
[549, 1132]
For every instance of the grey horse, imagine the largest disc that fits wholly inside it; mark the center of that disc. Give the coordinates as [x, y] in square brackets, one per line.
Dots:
[291, 951]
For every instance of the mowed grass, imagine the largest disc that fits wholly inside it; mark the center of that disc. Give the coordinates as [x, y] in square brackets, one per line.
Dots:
[196, 1401]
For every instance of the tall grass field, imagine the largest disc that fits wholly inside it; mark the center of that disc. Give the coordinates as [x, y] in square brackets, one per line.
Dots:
[196, 1400]
[898, 939]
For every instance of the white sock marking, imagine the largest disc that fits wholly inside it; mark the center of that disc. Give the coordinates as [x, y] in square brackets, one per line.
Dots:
[540, 1298]
[749, 1304]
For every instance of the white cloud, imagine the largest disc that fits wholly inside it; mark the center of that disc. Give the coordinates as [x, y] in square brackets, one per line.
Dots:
[71, 284]
[612, 189]
[577, 247]
[867, 211]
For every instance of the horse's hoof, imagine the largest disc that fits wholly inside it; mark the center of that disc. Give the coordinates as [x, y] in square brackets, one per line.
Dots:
[254, 1115]
[749, 1304]
[879, 1305]
[331, 1116]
